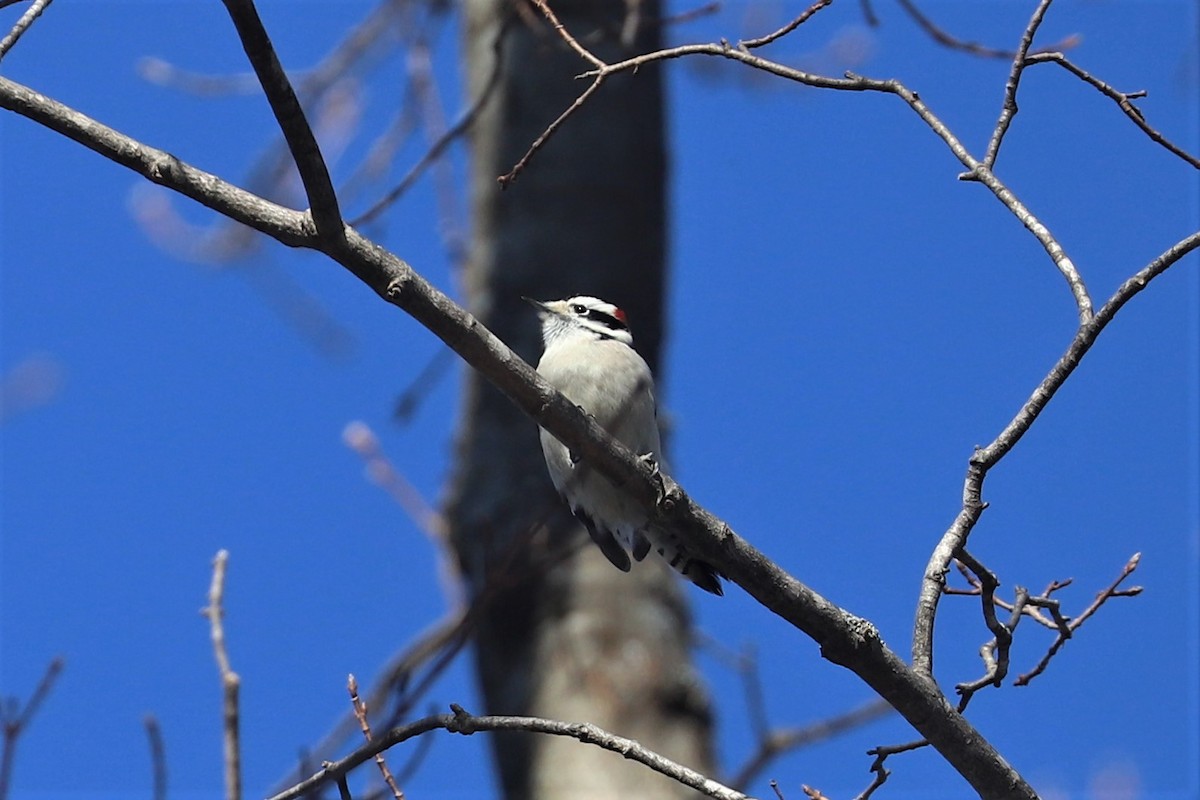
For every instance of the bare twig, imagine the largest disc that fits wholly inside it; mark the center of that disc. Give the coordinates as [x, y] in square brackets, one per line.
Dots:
[1008, 109]
[868, 12]
[161, 72]
[230, 682]
[438, 644]
[1124, 100]
[785, 740]
[995, 654]
[15, 719]
[945, 39]
[977, 170]
[1003, 633]
[360, 712]
[1030, 609]
[421, 385]
[1113, 590]
[306, 153]
[22, 24]
[877, 766]
[800, 19]
[448, 137]
[551, 129]
[359, 437]
[603, 70]
[158, 756]
[691, 14]
[1059, 623]
[466, 724]
[985, 458]
[583, 52]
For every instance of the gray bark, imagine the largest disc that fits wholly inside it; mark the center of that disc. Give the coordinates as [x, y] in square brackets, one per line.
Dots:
[562, 634]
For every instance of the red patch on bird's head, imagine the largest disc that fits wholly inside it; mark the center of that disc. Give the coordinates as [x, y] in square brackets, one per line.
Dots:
[619, 314]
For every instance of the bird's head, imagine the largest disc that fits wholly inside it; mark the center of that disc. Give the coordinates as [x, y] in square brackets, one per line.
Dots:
[582, 316]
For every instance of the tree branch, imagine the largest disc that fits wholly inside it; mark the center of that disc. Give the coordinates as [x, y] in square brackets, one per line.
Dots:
[292, 228]
[1124, 100]
[461, 722]
[360, 713]
[782, 740]
[954, 539]
[976, 170]
[15, 719]
[314, 174]
[230, 682]
[28, 18]
[1066, 629]
[954, 43]
[799, 20]
[1008, 109]
[158, 756]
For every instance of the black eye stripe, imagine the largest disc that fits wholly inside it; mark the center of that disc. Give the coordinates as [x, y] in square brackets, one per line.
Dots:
[603, 318]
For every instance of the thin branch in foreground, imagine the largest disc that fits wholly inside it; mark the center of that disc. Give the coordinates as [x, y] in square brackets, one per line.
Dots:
[230, 682]
[360, 712]
[15, 719]
[461, 722]
[158, 756]
[799, 20]
[1113, 590]
[22, 24]
[1124, 100]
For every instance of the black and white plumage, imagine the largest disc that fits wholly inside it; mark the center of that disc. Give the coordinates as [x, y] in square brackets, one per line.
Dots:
[589, 357]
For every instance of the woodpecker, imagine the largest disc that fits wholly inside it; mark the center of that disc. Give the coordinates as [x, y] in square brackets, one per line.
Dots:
[589, 357]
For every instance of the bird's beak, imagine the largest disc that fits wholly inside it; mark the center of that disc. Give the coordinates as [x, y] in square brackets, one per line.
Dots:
[538, 304]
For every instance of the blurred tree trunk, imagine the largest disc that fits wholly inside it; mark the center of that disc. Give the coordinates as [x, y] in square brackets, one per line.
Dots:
[563, 634]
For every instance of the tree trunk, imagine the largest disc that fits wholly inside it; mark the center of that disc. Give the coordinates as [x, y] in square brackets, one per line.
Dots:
[561, 632]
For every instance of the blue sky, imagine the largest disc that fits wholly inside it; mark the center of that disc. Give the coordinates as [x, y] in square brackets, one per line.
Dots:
[847, 321]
